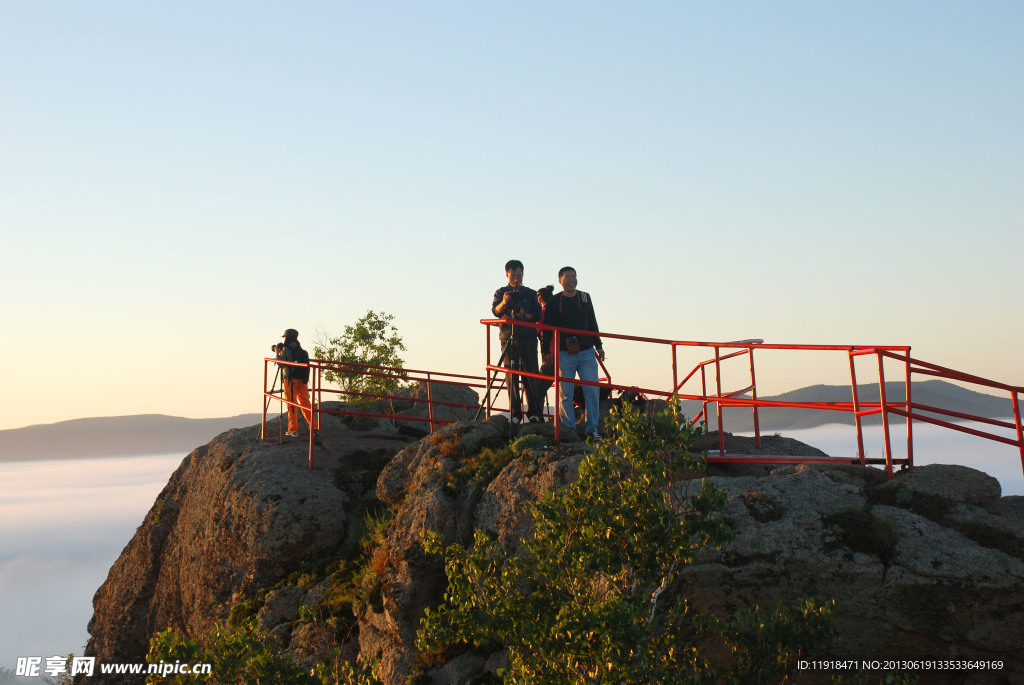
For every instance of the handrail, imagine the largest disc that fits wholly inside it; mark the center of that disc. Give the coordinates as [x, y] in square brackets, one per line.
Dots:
[319, 366]
[721, 398]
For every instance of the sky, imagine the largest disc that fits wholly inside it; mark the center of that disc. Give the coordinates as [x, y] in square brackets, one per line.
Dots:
[180, 182]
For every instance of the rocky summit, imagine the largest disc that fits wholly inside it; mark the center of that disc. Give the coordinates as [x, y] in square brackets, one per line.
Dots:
[927, 565]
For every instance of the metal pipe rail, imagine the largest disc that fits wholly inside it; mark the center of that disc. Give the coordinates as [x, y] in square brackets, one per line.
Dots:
[316, 390]
[744, 397]
[723, 351]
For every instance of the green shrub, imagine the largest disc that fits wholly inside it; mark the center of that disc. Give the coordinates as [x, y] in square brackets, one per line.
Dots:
[242, 655]
[993, 537]
[479, 469]
[587, 598]
[861, 531]
[933, 507]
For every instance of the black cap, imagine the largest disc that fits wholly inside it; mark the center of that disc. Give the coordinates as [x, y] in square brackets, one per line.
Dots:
[290, 334]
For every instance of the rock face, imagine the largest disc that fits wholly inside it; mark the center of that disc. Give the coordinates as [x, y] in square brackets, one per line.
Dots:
[237, 516]
[926, 565]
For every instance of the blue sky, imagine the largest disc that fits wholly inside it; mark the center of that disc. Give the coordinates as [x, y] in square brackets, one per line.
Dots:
[179, 182]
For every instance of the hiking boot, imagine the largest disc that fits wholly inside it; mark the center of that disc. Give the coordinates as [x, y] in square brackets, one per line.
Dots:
[292, 434]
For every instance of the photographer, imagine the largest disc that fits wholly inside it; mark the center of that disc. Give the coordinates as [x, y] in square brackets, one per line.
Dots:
[574, 309]
[296, 379]
[516, 302]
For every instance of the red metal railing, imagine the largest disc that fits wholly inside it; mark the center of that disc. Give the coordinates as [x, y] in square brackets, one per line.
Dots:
[319, 367]
[747, 396]
[719, 397]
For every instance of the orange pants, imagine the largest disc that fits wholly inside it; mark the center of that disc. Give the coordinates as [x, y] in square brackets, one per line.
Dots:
[297, 391]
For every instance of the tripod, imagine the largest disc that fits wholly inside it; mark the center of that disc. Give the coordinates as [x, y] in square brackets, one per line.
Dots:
[512, 358]
[266, 403]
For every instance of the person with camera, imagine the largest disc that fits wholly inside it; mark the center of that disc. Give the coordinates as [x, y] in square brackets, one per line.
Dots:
[296, 380]
[543, 384]
[577, 354]
[516, 302]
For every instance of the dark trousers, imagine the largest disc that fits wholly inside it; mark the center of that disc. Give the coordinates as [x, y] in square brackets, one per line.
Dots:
[521, 355]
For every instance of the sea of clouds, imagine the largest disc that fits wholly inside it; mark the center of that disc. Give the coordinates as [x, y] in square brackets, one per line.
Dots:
[62, 525]
[932, 445]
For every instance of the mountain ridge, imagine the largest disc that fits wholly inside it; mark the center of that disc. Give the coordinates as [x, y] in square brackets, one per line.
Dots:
[936, 393]
[114, 436]
[149, 434]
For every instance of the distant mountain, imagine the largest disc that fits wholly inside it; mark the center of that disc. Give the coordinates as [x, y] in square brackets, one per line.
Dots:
[934, 393]
[116, 436]
[158, 434]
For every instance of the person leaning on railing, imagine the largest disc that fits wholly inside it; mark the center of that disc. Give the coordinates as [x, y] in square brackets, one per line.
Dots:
[574, 309]
[296, 380]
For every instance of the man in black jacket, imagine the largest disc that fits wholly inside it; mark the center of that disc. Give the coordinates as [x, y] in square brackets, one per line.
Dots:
[574, 309]
[516, 302]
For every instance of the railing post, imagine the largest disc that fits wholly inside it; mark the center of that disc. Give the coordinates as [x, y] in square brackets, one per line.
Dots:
[885, 413]
[487, 376]
[556, 345]
[753, 391]
[675, 371]
[1020, 432]
[313, 421]
[430, 403]
[856, 409]
[718, 401]
[317, 398]
[910, 421]
[704, 392]
[263, 423]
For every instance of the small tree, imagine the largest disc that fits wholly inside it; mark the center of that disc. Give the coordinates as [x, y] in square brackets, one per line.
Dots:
[590, 598]
[373, 340]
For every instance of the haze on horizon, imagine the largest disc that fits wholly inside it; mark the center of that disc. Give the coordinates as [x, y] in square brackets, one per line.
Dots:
[183, 182]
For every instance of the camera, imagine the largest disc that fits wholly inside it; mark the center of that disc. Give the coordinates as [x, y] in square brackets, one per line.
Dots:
[515, 304]
[277, 347]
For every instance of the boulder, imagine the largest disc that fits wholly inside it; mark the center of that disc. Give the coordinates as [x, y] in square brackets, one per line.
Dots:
[237, 516]
[281, 606]
[950, 482]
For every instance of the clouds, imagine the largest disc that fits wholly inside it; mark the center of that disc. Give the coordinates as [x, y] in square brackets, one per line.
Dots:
[64, 524]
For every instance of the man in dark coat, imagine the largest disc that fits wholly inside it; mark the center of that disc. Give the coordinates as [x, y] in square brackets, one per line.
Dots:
[516, 302]
[578, 353]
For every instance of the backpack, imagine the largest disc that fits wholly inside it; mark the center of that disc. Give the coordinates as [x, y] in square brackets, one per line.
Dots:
[299, 373]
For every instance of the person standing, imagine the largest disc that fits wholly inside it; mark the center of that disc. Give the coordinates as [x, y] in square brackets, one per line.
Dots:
[574, 309]
[516, 302]
[296, 382]
[541, 388]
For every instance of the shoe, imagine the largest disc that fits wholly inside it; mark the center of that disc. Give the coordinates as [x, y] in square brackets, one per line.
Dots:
[536, 419]
[515, 420]
[292, 434]
[595, 436]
